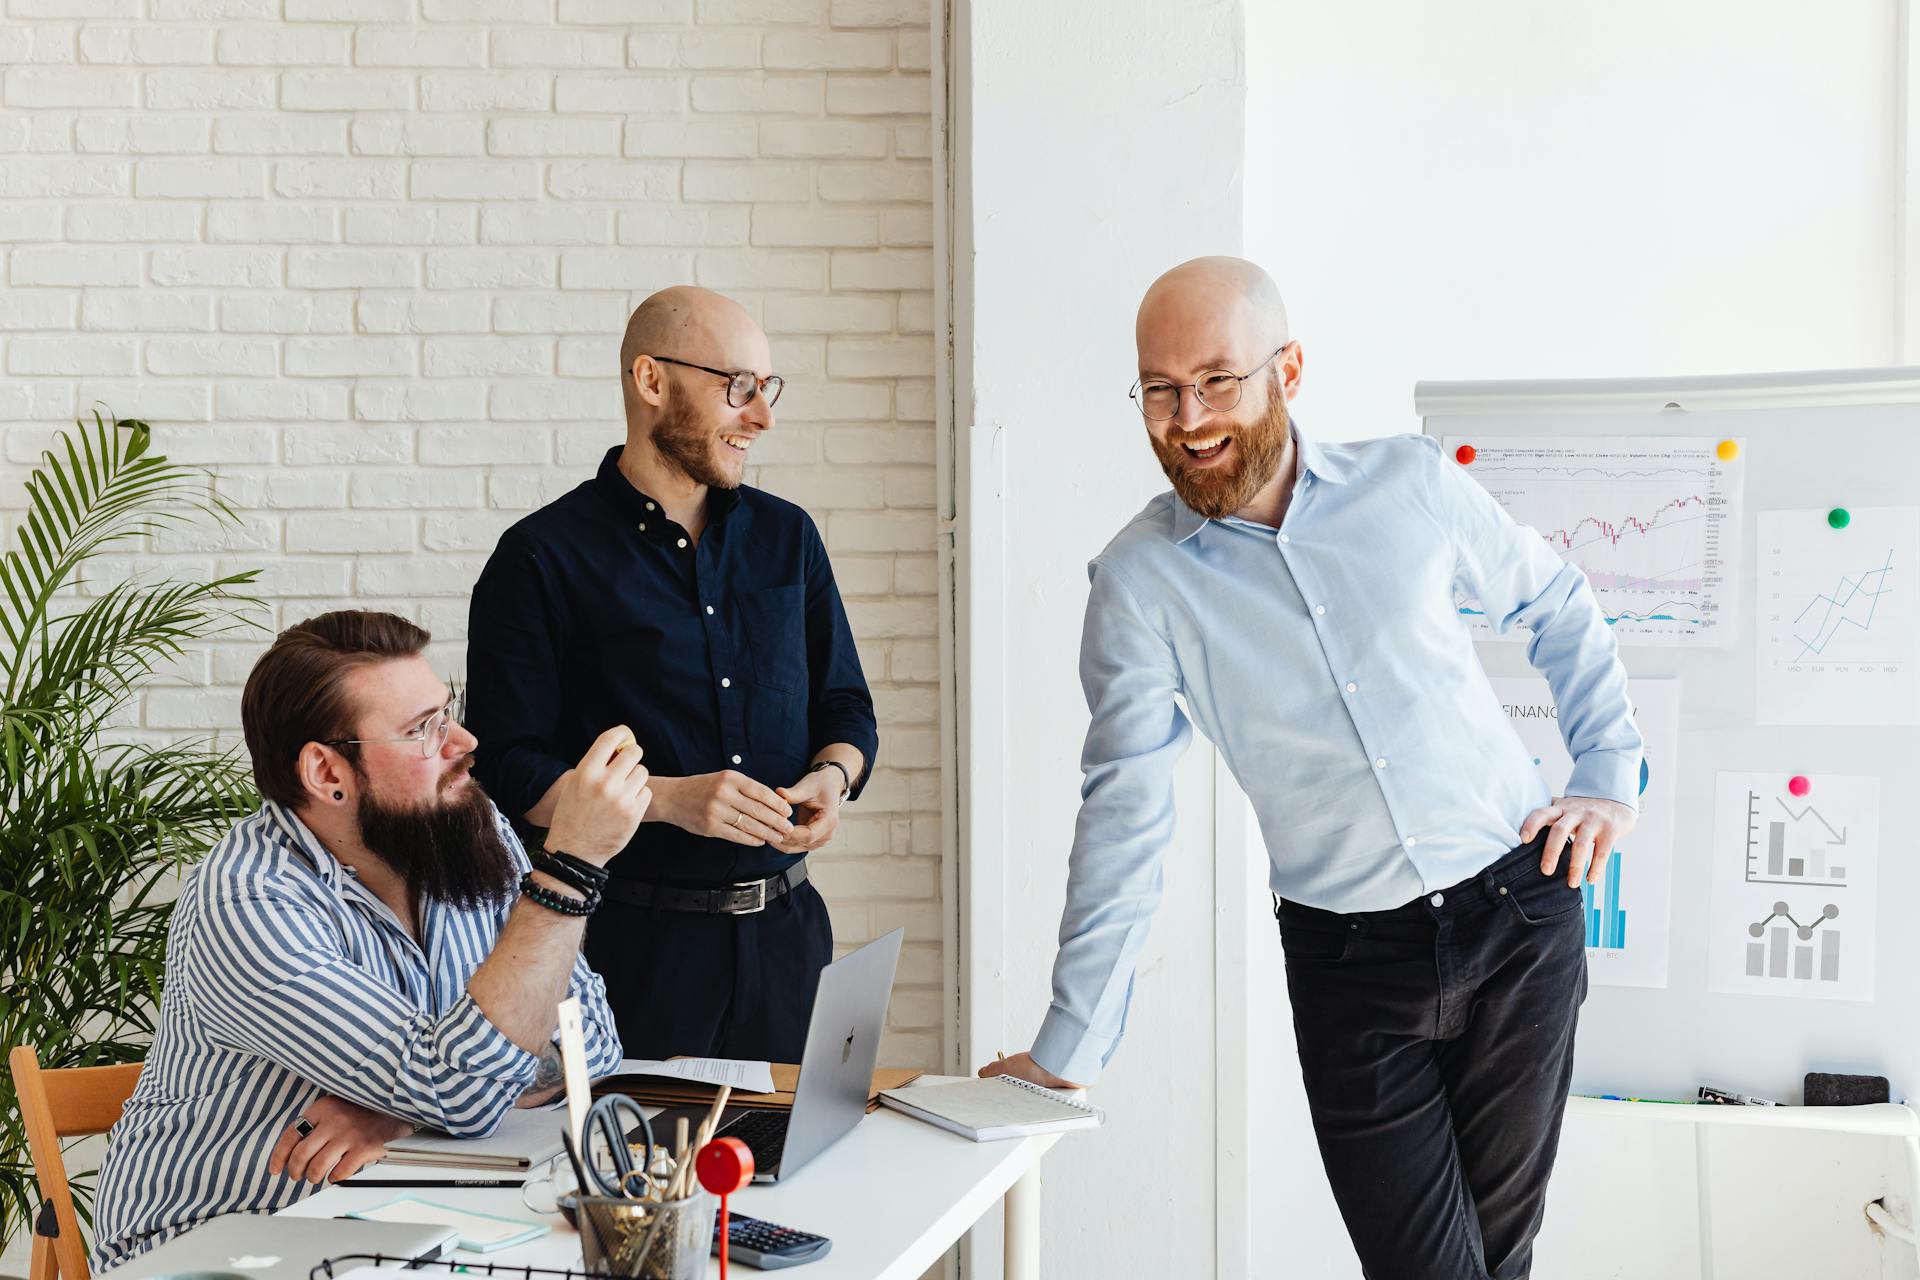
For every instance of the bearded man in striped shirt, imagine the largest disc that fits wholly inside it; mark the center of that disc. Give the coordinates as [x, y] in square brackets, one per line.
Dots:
[370, 953]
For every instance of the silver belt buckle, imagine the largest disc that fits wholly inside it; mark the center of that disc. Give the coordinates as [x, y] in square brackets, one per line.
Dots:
[760, 899]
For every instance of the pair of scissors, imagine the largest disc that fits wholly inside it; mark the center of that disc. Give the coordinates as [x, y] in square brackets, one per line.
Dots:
[618, 1120]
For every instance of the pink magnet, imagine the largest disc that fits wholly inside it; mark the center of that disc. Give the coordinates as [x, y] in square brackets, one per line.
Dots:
[1798, 785]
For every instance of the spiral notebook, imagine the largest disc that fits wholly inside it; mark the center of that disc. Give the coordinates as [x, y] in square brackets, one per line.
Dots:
[987, 1110]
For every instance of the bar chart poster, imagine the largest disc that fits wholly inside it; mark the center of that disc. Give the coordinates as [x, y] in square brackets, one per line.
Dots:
[1837, 608]
[1627, 909]
[1653, 521]
[1795, 886]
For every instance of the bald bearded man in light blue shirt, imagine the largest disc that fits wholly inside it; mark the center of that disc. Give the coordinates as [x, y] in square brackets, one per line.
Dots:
[1300, 600]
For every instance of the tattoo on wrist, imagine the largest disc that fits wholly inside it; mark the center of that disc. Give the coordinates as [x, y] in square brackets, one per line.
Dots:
[548, 1073]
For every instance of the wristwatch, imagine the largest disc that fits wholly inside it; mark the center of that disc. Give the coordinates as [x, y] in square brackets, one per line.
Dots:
[846, 779]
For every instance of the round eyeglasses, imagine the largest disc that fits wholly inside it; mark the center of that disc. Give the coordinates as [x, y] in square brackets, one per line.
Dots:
[1217, 389]
[742, 384]
[432, 734]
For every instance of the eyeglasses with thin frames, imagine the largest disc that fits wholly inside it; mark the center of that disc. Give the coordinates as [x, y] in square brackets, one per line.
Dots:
[432, 734]
[742, 384]
[1217, 389]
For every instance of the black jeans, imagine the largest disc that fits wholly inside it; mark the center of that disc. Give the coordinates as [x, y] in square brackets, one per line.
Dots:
[1436, 1040]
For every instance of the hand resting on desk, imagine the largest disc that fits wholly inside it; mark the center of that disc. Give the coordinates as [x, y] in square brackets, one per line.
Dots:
[1021, 1066]
[346, 1137]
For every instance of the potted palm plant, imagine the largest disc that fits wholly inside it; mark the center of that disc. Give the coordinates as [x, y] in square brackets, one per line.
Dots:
[95, 825]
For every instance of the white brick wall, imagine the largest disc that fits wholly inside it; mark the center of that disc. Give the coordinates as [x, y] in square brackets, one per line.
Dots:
[371, 259]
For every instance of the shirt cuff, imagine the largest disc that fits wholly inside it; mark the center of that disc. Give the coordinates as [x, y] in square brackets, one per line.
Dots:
[1608, 774]
[858, 734]
[1069, 1050]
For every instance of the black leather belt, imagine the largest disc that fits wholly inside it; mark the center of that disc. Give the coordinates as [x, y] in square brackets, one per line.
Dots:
[742, 898]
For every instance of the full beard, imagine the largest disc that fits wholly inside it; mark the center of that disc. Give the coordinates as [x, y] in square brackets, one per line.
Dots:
[1218, 492]
[448, 851]
[688, 444]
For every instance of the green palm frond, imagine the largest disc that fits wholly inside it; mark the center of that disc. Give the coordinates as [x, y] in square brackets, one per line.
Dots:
[94, 832]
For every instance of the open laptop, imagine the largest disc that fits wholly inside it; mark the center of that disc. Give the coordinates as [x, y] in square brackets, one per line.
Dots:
[259, 1246]
[836, 1068]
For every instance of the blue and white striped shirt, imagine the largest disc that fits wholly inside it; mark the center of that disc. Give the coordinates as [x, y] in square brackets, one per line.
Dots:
[287, 980]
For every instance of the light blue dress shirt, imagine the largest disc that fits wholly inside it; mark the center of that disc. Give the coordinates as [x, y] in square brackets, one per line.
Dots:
[1328, 662]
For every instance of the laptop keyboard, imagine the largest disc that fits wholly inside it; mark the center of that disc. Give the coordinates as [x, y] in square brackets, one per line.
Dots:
[764, 1132]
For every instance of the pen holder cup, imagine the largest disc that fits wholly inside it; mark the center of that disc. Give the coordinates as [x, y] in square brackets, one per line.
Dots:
[647, 1239]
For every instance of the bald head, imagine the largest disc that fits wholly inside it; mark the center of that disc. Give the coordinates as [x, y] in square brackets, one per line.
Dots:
[688, 323]
[1218, 312]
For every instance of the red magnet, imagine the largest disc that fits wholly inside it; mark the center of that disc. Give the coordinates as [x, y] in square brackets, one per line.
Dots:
[724, 1166]
[1798, 785]
[1465, 454]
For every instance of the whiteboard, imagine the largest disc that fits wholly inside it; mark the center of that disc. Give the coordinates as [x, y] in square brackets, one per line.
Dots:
[1845, 438]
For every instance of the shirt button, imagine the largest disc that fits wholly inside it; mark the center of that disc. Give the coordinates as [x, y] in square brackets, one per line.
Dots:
[649, 506]
[643, 526]
[681, 543]
[1319, 608]
[736, 759]
[1285, 538]
[1352, 687]
[1380, 762]
[1503, 891]
[709, 608]
[1410, 842]
[725, 683]
[1438, 899]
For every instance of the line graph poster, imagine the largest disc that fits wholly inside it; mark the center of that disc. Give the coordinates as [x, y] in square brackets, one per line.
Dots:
[1795, 886]
[1837, 613]
[1654, 521]
[1627, 911]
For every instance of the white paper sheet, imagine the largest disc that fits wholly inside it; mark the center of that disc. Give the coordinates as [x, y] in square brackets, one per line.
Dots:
[1837, 617]
[1795, 886]
[747, 1077]
[1654, 521]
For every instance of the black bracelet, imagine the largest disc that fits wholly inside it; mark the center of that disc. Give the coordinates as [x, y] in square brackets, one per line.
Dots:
[845, 777]
[548, 864]
[540, 895]
[595, 874]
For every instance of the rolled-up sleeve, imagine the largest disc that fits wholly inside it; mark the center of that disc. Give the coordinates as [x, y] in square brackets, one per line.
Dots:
[1137, 735]
[274, 981]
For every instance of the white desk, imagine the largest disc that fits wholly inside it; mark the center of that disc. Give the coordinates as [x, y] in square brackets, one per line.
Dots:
[893, 1196]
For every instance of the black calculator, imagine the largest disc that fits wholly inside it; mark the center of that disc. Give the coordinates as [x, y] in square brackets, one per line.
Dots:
[767, 1245]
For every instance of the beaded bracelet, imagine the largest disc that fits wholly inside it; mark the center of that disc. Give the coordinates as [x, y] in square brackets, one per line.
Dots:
[538, 893]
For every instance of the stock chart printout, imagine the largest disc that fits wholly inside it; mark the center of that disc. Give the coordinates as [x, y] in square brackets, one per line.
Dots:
[1653, 521]
[1837, 616]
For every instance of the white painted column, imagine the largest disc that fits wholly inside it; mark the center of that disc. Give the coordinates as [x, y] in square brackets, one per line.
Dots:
[1088, 151]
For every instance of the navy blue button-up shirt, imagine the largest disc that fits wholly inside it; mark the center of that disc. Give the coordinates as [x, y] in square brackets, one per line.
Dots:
[732, 652]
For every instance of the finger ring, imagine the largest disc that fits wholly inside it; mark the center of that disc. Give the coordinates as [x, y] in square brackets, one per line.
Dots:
[736, 819]
[303, 1126]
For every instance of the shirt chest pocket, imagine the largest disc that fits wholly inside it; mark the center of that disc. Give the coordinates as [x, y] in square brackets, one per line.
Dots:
[773, 629]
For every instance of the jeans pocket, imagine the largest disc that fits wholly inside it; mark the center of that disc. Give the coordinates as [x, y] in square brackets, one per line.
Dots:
[1308, 934]
[1539, 899]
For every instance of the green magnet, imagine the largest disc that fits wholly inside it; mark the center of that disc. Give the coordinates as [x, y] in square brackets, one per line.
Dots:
[1838, 518]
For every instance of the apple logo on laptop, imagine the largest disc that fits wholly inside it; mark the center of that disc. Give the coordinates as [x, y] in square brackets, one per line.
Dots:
[846, 1050]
